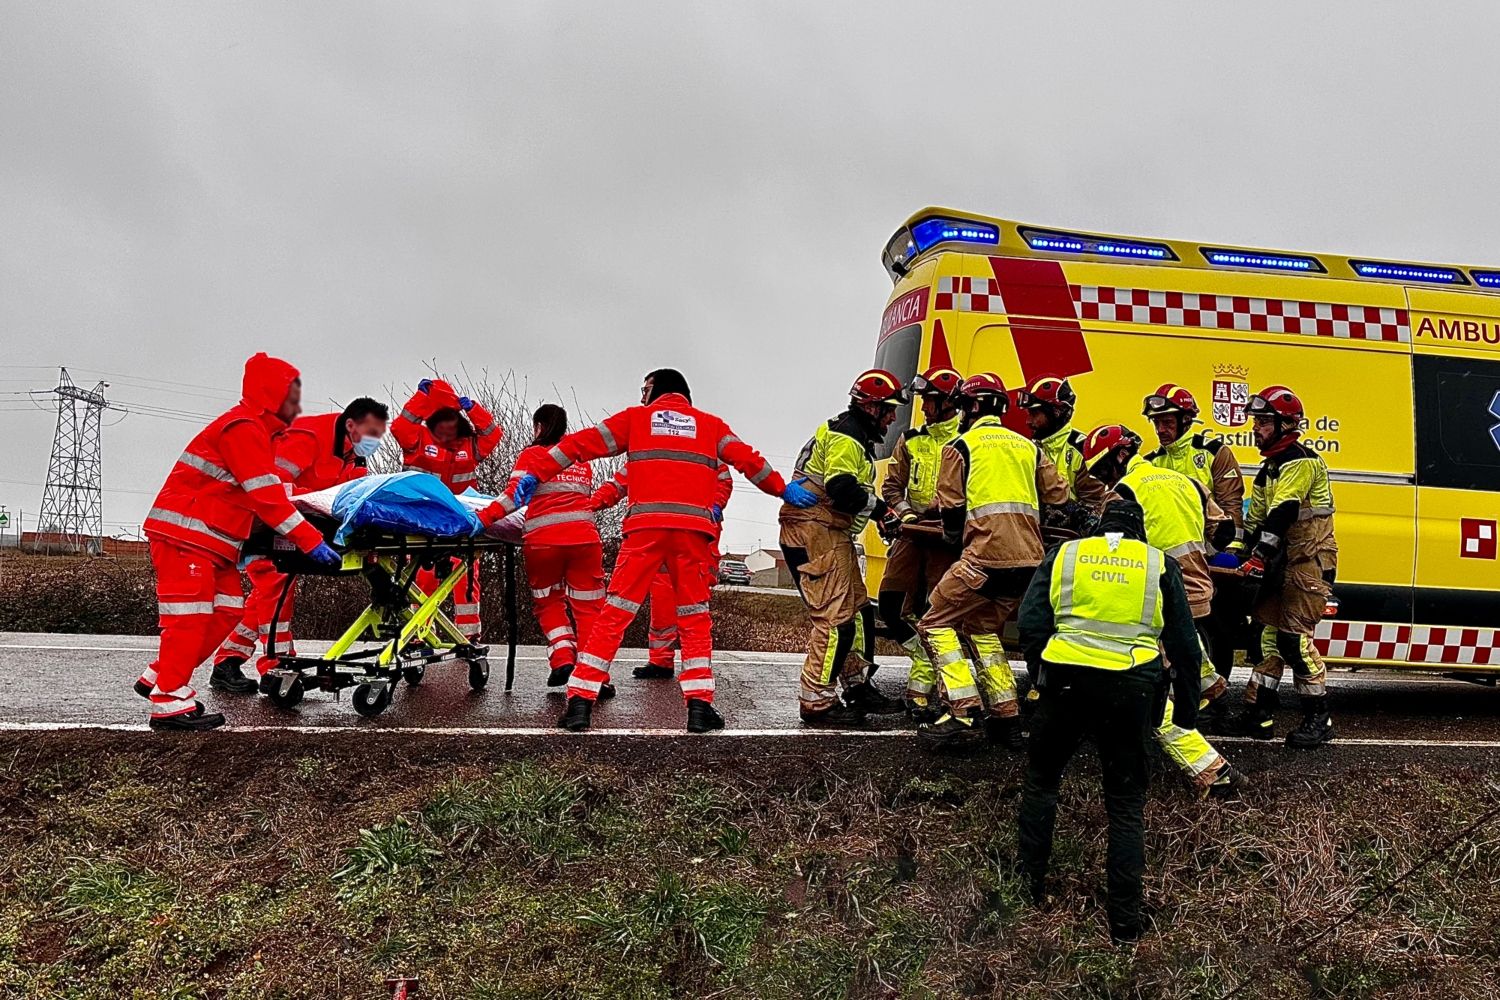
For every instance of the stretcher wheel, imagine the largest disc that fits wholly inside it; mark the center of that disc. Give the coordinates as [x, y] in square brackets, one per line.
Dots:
[371, 699]
[291, 697]
[479, 673]
[414, 675]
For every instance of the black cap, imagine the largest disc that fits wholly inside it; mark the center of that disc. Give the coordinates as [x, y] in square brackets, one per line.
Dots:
[1123, 517]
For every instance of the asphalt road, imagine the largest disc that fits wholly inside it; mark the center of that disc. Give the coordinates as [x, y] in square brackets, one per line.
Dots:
[75, 681]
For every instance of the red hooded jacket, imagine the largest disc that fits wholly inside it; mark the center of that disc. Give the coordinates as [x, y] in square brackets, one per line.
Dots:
[305, 454]
[227, 475]
[421, 452]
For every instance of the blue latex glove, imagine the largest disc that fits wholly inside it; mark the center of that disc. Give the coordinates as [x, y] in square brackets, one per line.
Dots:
[716, 514]
[1224, 560]
[424, 385]
[524, 488]
[798, 495]
[324, 555]
[465, 403]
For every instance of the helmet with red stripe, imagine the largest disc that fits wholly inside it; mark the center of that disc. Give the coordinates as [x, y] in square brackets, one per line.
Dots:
[1049, 393]
[1170, 399]
[937, 381]
[877, 387]
[1276, 401]
[983, 395]
[1108, 449]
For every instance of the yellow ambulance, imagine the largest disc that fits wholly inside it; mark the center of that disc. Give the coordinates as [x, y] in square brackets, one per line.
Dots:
[1397, 364]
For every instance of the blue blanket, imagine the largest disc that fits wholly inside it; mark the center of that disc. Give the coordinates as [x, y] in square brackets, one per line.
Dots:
[413, 503]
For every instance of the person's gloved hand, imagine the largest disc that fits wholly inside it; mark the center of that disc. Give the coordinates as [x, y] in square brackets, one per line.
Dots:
[1224, 560]
[524, 488]
[798, 495]
[425, 385]
[465, 403]
[1254, 568]
[890, 526]
[324, 555]
[716, 514]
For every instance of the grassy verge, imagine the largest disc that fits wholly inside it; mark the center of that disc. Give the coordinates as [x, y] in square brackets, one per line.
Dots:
[285, 866]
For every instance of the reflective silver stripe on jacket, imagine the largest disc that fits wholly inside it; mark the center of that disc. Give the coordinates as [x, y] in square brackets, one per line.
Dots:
[463, 477]
[229, 600]
[685, 509]
[560, 457]
[562, 517]
[1308, 513]
[668, 455]
[291, 524]
[260, 482]
[408, 415]
[1187, 548]
[190, 523]
[759, 477]
[184, 607]
[557, 487]
[586, 595]
[493, 428]
[206, 467]
[609, 438]
[726, 441]
[986, 509]
[1151, 599]
[291, 467]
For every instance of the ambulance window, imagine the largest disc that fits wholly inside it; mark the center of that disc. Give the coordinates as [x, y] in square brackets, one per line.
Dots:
[1458, 422]
[897, 354]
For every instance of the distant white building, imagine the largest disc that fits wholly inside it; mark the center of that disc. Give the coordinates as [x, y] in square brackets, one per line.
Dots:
[768, 569]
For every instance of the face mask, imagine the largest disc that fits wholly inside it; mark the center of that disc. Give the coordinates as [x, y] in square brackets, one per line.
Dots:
[366, 446]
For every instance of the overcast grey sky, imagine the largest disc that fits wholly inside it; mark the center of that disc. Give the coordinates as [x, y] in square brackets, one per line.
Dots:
[586, 191]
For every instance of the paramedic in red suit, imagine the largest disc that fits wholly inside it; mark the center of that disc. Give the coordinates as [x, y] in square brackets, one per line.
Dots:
[448, 435]
[224, 480]
[672, 454]
[663, 638]
[315, 453]
[564, 557]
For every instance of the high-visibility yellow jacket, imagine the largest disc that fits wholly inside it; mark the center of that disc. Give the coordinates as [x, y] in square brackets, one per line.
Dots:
[1175, 509]
[910, 483]
[1065, 450]
[991, 487]
[838, 462]
[1291, 505]
[1211, 464]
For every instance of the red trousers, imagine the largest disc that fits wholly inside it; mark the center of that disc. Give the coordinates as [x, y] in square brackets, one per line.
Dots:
[564, 580]
[198, 602]
[681, 554]
[255, 625]
[663, 637]
[465, 601]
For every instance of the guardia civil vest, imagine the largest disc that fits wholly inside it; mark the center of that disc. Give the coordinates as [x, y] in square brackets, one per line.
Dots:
[1172, 504]
[1001, 470]
[1107, 603]
[925, 446]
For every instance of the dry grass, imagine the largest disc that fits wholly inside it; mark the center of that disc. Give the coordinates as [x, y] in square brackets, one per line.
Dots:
[283, 866]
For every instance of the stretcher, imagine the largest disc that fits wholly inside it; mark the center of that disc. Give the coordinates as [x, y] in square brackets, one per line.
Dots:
[409, 628]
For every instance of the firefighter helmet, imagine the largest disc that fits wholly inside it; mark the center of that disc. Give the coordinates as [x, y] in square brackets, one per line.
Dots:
[1170, 399]
[1110, 439]
[937, 381]
[1276, 401]
[987, 389]
[1051, 393]
[879, 387]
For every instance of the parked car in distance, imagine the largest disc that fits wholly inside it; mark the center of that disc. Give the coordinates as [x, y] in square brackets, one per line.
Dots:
[734, 571]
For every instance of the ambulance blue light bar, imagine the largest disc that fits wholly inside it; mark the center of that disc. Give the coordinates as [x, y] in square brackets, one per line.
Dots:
[1488, 279]
[930, 232]
[1409, 272]
[1263, 261]
[1055, 242]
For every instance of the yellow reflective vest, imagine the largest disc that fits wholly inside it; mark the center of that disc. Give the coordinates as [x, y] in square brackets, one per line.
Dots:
[1106, 603]
[925, 446]
[833, 453]
[1172, 504]
[1001, 470]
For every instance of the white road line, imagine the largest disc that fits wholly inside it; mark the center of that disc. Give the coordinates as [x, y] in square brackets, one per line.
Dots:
[361, 730]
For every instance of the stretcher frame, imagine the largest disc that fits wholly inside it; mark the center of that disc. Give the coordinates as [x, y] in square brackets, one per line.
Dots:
[411, 627]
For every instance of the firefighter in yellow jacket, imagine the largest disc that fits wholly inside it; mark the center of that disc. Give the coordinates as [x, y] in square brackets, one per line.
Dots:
[914, 563]
[1176, 511]
[993, 488]
[1293, 558]
[1049, 403]
[838, 467]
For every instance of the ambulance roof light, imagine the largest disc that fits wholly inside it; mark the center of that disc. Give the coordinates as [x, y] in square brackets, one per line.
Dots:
[1058, 242]
[1262, 261]
[1489, 279]
[1409, 272]
[930, 232]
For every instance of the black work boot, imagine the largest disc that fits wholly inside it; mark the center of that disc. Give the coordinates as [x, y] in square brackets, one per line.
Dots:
[921, 711]
[1005, 732]
[1316, 728]
[652, 672]
[226, 677]
[579, 714]
[1229, 784]
[188, 722]
[840, 716]
[606, 691]
[869, 700]
[702, 717]
[950, 733]
[142, 687]
[558, 676]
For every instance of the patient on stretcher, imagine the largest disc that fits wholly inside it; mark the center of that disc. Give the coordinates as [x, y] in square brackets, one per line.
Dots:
[410, 503]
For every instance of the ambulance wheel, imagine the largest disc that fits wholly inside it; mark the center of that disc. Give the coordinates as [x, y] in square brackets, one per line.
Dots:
[479, 673]
[414, 675]
[290, 699]
[371, 699]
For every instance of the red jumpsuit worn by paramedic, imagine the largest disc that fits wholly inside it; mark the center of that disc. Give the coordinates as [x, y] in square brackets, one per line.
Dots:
[564, 557]
[307, 462]
[223, 482]
[672, 456]
[455, 466]
[663, 638]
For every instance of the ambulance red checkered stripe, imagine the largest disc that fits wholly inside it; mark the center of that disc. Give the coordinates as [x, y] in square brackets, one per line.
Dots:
[1436, 644]
[1238, 312]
